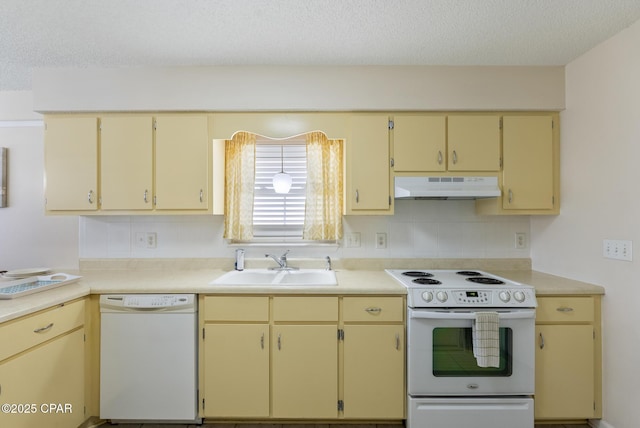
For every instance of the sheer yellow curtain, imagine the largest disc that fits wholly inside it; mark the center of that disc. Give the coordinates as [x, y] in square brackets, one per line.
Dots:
[240, 155]
[323, 207]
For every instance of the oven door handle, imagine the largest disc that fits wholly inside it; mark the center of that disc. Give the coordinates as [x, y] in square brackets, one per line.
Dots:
[449, 315]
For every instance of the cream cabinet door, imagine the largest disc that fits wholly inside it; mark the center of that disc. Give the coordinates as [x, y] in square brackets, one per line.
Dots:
[564, 372]
[473, 143]
[528, 162]
[419, 143]
[126, 161]
[236, 370]
[374, 371]
[182, 162]
[71, 163]
[368, 189]
[305, 371]
[49, 377]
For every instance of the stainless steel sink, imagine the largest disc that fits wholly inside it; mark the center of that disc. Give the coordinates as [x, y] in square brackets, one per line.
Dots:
[267, 277]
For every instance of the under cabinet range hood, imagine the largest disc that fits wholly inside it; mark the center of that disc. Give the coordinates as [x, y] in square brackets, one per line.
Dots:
[446, 187]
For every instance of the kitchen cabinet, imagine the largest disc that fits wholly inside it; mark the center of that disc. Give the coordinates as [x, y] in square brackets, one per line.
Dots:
[42, 368]
[71, 163]
[530, 174]
[126, 162]
[374, 355]
[367, 166]
[568, 358]
[473, 143]
[305, 363]
[181, 162]
[419, 143]
[235, 370]
[302, 357]
[143, 163]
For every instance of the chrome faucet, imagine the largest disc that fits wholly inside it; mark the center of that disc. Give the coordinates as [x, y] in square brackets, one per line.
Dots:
[328, 259]
[282, 261]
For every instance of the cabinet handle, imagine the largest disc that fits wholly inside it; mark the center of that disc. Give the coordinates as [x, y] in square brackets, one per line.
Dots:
[455, 157]
[541, 341]
[43, 329]
[374, 310]
[90, 196]
[357, 196]
[397, 342]
[201, 196]
[440, 159]
[510, 196]
[262, 341]
[279, 342]
[146, 193]
[564, 309]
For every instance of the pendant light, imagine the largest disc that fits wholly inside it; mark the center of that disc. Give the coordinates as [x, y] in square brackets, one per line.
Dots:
[282, 181]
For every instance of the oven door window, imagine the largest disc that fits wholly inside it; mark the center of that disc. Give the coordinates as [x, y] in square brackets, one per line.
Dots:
[453, 354]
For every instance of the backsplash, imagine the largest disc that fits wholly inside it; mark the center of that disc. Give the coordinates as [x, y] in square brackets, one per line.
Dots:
[419, 229]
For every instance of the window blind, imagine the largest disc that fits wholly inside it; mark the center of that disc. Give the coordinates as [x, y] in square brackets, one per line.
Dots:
[279, 215]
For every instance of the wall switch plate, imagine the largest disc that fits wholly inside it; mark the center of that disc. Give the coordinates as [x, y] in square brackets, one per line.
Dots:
[381, 240]
[617, 249]
[152, 239]
[352, 240]
[521, 240]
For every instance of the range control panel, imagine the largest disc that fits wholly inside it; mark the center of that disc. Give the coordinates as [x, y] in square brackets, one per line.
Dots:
[451, 297]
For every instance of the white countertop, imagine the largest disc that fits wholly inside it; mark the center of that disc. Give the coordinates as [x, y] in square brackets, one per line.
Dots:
[357, 281]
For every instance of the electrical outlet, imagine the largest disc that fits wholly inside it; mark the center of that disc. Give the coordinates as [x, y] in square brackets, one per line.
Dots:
[152, 239]
[352, 240]
[141, 240]
[617, 249]
[381, 240]
[521, 240]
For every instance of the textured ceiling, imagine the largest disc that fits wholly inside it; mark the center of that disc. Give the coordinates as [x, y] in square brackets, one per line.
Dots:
[114, 33]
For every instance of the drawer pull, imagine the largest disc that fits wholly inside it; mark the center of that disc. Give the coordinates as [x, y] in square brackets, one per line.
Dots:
[374, 311]
[43, 329]
[564, 309]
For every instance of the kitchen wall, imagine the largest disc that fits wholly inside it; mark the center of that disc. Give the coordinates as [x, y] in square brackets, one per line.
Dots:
[600, 151]
[431, 229]
[27, 237]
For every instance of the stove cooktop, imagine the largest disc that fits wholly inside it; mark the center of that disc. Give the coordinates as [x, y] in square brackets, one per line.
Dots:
[428, 288]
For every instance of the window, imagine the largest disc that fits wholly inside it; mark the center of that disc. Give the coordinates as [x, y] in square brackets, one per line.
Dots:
[279, 216]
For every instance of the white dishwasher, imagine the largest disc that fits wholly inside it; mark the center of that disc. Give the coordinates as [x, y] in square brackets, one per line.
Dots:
[148, 358]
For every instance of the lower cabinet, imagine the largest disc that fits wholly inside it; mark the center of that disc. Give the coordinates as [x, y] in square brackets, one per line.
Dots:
[568, 375]
[43, 385]
[302, 358]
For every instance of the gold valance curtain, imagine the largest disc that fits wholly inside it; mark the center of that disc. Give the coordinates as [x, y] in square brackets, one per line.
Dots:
[240, 154]
[323, 206]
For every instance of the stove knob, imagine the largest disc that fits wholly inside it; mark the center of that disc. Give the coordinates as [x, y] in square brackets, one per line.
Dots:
[504, 296]
[442, 296]
[427, 296]
[519, 296]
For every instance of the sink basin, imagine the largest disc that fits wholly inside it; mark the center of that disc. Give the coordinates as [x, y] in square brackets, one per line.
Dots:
[266, 277]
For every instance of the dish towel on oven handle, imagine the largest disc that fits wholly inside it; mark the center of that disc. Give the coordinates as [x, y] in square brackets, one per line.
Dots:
[486, 339]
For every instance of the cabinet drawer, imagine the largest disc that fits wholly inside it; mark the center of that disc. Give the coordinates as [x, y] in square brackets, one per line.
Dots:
[565, 309]
[305, 309]
[236, 308]
[373, 309]
[26, 332]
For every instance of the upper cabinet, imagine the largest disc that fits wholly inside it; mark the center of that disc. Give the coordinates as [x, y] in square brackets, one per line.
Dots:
[367, 166]
[441, 143]
[182, 162]
[71, 163]
[129, 163]
[126, 163]
[531, 171]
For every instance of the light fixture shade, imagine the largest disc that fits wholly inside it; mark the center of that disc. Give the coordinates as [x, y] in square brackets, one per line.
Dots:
[282, 182]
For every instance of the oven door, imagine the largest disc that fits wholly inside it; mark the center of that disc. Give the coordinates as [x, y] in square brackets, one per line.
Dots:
[440, 354]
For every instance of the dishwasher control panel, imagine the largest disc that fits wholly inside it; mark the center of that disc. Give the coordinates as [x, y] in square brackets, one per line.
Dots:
[153, 301]
[132, 302]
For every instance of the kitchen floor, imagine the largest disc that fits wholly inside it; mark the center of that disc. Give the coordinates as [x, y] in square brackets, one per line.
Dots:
[222, 425]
